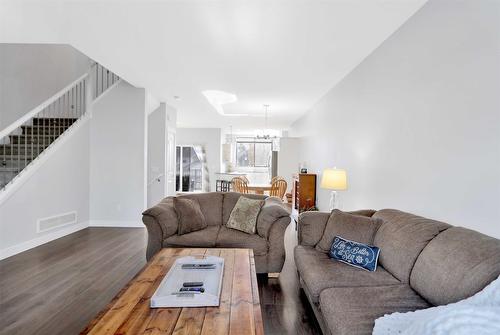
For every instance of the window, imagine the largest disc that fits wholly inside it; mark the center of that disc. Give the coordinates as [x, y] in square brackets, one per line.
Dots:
[189, 169]
[251, 153]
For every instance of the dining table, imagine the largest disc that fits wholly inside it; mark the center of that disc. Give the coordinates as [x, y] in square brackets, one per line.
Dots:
[259, 188]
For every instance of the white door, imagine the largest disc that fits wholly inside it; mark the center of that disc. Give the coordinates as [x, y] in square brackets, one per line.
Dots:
[157, 145]
[171, 167]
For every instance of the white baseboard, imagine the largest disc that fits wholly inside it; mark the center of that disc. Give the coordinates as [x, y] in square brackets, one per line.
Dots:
[116, 223]
[37, 241]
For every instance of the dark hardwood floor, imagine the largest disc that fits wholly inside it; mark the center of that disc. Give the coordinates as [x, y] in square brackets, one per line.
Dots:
[59, 287]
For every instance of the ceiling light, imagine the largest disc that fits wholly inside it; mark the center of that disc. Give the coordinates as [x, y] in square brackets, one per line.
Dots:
[219, 98]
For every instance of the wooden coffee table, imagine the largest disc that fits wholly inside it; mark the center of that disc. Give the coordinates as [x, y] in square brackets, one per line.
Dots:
[238, 313]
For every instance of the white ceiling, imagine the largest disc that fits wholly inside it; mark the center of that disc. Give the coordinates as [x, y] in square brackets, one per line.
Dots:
[287, 54]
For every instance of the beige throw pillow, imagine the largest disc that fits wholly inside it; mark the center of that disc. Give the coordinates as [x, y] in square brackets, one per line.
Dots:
[356, 228]
[244, 215]
[189, 215]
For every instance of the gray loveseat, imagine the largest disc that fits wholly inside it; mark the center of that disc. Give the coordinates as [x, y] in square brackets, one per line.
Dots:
[267, 243]
[422, 263]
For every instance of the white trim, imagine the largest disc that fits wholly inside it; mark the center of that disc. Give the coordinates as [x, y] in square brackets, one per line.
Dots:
[37, 241]
[29, 170]
[116, 223]
[26, 117]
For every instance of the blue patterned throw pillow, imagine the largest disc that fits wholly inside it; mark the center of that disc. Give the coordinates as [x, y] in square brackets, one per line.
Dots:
[353, 253]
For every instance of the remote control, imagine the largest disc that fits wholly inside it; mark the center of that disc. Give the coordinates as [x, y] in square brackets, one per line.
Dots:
[186, 294]
[192, 289]
[198, 266]
[192, 284]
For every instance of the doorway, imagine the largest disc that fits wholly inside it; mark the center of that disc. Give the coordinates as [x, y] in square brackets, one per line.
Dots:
[189, 168]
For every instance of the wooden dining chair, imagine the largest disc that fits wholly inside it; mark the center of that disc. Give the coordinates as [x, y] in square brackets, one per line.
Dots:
[278, 188]
[240, 185]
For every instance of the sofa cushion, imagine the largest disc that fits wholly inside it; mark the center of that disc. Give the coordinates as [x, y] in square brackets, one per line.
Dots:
[230, 199]
[401, 238]
[353, 310]
[244, 215]
[189, 215]
[318, 272]
[230, 238]
[164, 213]
[204, 238]
[353, 227]
[455, 265]
[210, 204]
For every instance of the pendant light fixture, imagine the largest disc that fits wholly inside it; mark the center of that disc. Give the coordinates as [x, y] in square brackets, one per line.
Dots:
[265, 132]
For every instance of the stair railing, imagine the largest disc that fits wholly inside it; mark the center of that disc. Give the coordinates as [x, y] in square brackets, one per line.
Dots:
[103, 79]
[22, 141]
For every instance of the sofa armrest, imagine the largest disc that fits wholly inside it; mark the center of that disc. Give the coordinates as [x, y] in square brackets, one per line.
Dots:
[155, 236]
[276, 240]
[311, 226]
[161, 222]
[165, 215]
[273, 210]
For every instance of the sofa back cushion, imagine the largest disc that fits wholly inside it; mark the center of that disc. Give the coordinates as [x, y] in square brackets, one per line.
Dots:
[352, 227]
[401, 238]
[189, 215]
[210, 205]
[455, 265]
[231, 198]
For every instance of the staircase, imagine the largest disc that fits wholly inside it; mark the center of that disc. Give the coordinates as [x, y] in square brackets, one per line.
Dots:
[23, 141]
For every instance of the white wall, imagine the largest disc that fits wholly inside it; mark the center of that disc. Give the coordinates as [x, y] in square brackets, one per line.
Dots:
[210, 139]
[32, 73]
[59, 185]
[417, 123]
[118, 156]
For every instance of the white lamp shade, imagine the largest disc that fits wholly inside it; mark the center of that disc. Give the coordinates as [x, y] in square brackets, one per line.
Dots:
[334, 179]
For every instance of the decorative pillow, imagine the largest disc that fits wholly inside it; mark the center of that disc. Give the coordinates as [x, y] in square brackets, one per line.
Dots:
[356, 254]
[244, 215]
[189, 215]
[353, 227]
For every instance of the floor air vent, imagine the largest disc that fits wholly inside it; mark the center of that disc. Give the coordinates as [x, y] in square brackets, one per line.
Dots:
[56, 221]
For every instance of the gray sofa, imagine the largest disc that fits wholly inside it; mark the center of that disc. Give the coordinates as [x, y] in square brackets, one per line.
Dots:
[267, 243]
[422, 263]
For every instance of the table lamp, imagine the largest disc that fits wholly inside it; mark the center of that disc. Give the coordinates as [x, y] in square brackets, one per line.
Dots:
[335, 180]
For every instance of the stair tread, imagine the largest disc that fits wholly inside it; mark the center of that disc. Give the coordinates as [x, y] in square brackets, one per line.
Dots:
[16, 157]
[9, 169]
[22, 145]
[35, 135]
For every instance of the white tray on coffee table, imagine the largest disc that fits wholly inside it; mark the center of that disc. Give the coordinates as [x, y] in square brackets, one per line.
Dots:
[176, 276]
